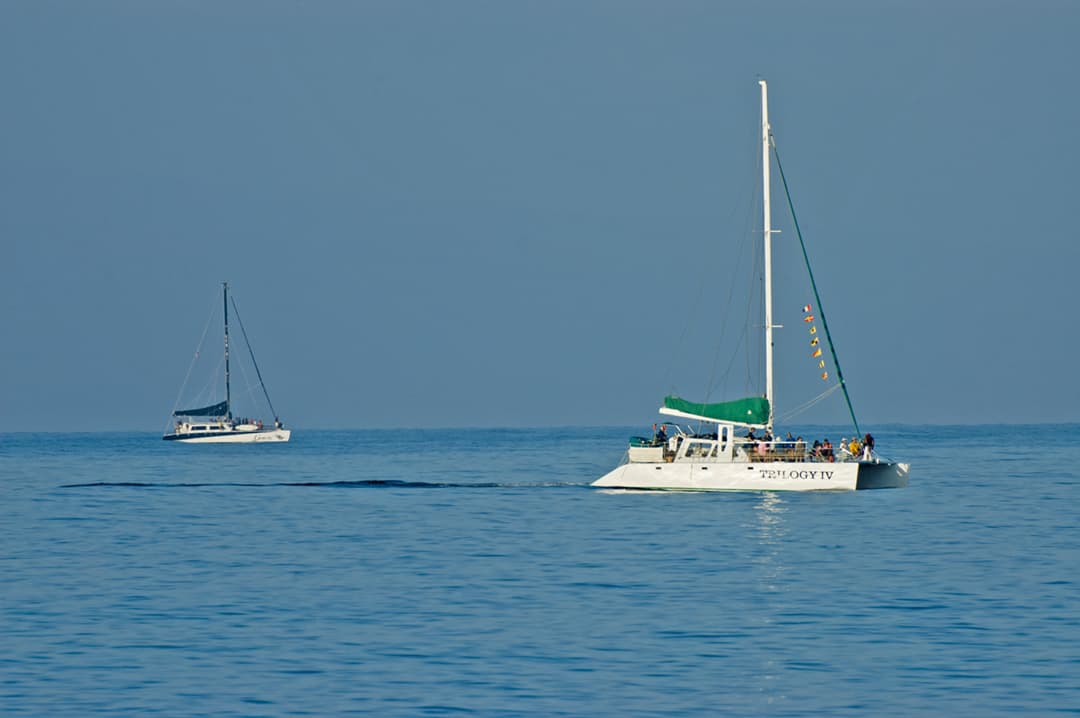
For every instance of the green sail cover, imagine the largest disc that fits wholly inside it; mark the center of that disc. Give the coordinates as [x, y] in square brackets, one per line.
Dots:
[752, 410]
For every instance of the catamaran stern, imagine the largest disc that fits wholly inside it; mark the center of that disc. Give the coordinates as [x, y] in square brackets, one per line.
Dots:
[885, 475]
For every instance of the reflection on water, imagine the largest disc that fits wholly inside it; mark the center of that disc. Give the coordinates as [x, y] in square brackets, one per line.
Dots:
[770, 511]
[772, 533]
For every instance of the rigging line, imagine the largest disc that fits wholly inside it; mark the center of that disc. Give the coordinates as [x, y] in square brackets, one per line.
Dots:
[735, 272]
[754, 303]
[253, 362]
[817, 399]
[211, 390]
[194, 358]
[754, 358]
[731, 362]
[755, 290]
[741, 338]
[695, 307]
[690, 321]
[813, 285]
[243, 386]
[720, 343]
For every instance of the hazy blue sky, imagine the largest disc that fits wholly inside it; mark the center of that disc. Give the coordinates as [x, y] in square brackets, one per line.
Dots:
[526, 213]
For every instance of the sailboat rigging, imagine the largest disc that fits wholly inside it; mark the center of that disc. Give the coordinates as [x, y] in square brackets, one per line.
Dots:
[215, 423]
[727, 455]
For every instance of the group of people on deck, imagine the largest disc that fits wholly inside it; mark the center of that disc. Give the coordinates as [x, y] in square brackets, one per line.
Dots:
[852, 449]
[791, 448]
[795, 448]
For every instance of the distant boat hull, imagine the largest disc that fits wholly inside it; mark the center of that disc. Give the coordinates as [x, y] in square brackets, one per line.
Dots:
[761, 476]
[231, 437]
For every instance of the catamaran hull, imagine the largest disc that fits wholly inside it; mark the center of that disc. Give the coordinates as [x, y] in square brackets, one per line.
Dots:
[885, 475]
[771, 476]
[232, 437]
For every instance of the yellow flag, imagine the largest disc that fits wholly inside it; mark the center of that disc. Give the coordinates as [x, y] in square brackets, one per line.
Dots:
[821, 364]
[816, 353]
[813, 342]
[813, 330]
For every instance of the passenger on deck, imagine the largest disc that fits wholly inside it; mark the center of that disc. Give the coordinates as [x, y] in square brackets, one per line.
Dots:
[868, 447]
[827, 450]
[661, 435]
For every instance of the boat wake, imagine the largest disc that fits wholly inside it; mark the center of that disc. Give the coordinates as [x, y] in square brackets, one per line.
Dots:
[361, 484]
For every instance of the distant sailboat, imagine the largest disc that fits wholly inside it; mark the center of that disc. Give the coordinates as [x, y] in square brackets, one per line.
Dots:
[215, 423]
[727, 455]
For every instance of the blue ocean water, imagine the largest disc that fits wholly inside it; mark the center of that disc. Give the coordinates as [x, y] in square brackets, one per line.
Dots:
[413, 573]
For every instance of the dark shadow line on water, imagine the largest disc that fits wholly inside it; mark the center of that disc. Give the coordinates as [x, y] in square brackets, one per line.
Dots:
[364, 484]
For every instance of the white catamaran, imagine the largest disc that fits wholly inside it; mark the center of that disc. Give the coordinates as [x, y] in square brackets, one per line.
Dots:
[215, 423]
[727, 456]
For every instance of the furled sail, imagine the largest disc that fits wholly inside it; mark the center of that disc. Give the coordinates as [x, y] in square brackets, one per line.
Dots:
[220, 409]
[753, 410]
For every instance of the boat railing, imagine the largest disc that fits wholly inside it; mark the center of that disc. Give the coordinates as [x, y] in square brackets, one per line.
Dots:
[707, 447]
[798, 451]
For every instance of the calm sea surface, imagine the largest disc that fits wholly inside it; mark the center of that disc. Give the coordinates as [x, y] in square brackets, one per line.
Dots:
[417, 573]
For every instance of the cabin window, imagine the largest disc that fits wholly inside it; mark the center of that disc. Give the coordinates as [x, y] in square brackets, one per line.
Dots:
[700, 449]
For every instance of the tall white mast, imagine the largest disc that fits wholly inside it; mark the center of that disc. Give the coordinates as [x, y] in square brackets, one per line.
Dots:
[766, 209]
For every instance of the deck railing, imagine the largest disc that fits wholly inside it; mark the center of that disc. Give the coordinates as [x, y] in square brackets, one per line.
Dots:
[793, 451]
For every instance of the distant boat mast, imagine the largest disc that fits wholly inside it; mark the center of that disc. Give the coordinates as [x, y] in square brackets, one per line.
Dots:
[228, 396]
